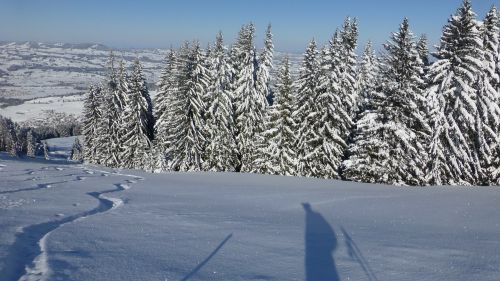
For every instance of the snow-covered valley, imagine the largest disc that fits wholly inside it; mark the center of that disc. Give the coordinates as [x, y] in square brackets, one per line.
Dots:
[67, 221]
[36, 77]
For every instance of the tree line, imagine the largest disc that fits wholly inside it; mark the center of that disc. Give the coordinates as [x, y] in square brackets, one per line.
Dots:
[26, 138]
[397, 117]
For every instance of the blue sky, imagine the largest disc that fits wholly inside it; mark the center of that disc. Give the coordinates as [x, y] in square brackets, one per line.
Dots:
[159, 24]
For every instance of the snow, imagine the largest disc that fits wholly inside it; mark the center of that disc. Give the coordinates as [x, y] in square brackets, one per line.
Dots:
[95, 223]
[34, 109]
[60, 148]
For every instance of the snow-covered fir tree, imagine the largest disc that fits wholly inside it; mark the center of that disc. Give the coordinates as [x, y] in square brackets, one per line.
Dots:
[453, 148]
[46, 150]
[250, 104]
[389, 144]
[263, 78]
[137, 122]
[423, 50]
[164, 101]
[108, 142]
[187, 139]
[307, 87]
[118, 100]
[347, 65]
[280, 155]
[331, 120]
[30, 144]
[488, 118]
[76, 151]
[265, 65]
[91, 121]
[221, 151]
[367, 72]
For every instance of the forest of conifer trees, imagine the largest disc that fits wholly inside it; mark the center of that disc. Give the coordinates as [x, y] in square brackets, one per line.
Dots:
[401, 117]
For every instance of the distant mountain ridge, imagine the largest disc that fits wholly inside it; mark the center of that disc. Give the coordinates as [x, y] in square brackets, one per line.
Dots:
[37, 45]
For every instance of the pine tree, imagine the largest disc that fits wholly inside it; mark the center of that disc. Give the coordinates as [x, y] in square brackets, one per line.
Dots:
[91, 121]
[76, 151]
[188, 137]
[264, 92]
[221, 151]
[331, 121]
[250, 104]
[329, 118]
[307, 87]
[116, 101]
[138, 121]
[164, 101]
[423, 50]
[111, 101]
[104, 137]
[390, 139]
[30, 144]
[488, 119]
[280, 154]
[265, 65]
[46, 150]
[453, 150]
[347, 66]
[367, 72]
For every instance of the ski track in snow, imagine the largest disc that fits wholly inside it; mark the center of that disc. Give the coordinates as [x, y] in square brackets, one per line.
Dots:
[27, 257]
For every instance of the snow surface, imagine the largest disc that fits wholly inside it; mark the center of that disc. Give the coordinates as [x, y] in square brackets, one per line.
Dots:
[35, 109]
[67, 221]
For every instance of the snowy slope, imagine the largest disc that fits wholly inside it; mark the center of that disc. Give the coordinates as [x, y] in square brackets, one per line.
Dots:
[66, 221]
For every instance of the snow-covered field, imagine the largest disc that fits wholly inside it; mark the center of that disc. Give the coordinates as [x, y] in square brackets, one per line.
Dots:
[35, 109]
[66, 221]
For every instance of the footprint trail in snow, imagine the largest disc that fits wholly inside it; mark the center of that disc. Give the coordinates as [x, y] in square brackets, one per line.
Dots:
[27, 257]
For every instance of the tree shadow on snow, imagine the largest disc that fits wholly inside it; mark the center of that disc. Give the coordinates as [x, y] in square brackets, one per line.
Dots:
[320, 244]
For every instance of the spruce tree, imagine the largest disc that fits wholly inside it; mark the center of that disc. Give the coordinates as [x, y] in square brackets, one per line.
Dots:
[91, 121]
[263, 78]
[331, 121]
[118, 90]
[111, 105]
[138, 121]
[265, 65]
[390, 139]
[164, 102]
[423, 50]
[221, 151]
[307, 87]
[76, 151]
[367, 74]
[187, 138]
[46, 154]
[250, 104]
[488, 119]
[453, 147]
[280, 155]
[30, 144]
[347, 66]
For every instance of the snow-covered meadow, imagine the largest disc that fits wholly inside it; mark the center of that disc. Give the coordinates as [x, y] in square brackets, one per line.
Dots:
[67, 221]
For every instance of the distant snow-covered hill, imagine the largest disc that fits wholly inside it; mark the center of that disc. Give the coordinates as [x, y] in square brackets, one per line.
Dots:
[33, 73]
[31, 70]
